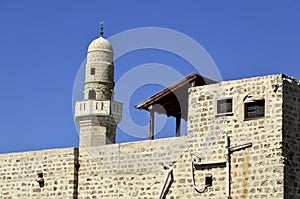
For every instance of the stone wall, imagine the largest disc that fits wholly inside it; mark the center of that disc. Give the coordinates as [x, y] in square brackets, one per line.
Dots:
[139, 169]
[256, 171]
[54, 169]
[291, 137]
[129, 170]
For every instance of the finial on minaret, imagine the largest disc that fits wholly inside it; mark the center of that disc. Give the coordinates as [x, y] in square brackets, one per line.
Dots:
[101, 28]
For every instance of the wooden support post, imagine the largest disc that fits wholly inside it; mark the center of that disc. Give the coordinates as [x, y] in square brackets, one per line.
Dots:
[151, 126]
[178, 121]
[193, 84]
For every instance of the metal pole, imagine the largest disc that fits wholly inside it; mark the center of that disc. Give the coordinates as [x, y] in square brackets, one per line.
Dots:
[227, 165]
[165, 183]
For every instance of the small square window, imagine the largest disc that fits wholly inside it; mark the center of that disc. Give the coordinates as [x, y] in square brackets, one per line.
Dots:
[224, 106]
[208, 181]
[255, 109]
[93, 71]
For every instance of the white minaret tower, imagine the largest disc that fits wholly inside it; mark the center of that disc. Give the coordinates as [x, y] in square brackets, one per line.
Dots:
[98, 114]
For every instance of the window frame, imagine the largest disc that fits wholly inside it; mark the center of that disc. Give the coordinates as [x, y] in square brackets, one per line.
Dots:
[224, 113]
[257, 116]
[93, 71]
[92, 95]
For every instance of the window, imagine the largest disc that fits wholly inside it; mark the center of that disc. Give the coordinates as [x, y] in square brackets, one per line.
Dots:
[93, 71]
[208, 180]
[255, 109]
[92, 94]
[224, 106]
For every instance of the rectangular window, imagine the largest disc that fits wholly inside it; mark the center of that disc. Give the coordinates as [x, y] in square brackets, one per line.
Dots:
[208, 181]
[92, 71]
[224, 106]
[255, 109]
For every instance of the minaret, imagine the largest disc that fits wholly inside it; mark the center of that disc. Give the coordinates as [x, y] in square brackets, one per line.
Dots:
[98, 114]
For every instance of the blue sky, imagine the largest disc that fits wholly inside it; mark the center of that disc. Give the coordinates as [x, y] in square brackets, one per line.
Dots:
[43, 43]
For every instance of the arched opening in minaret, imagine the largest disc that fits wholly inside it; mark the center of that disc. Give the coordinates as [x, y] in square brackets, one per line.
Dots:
[92, 94]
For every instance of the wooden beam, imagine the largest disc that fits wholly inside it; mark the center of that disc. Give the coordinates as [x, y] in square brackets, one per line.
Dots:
[151, 125]
[178, 120]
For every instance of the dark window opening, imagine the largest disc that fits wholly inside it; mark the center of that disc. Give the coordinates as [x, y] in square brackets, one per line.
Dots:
[255, 109]
[93, 71]
[40, 175]
[92, 94]
[224, 106]
[40, 180]
[208, 181]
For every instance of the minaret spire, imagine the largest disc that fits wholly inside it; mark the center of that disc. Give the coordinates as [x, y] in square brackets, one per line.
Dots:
[101, 28]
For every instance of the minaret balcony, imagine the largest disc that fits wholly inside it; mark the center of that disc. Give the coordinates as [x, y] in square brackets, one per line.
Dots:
[99, 108]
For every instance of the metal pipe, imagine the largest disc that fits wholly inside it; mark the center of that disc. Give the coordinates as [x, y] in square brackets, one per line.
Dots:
[194, 183]
[241, 146]
[170, 172]
[209, 163]
[227, 165]
[228, 151]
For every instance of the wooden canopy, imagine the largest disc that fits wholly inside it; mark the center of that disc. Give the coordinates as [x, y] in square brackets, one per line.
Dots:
[174, 99]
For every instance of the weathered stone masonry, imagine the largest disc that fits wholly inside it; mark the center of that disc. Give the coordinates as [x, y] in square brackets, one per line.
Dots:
[39, 174]
[291, 138]
[257, 171]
